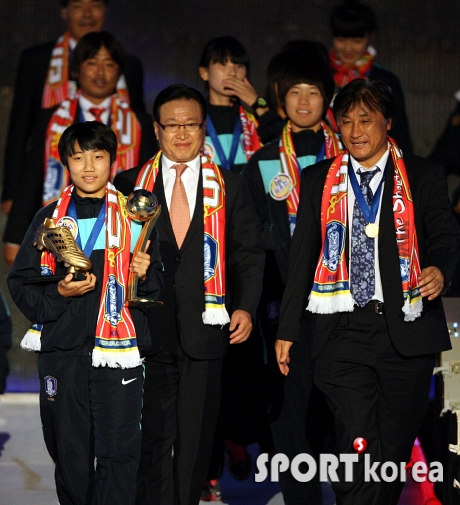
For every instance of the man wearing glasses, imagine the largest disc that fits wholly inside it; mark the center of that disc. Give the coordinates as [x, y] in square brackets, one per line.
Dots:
[213, 265]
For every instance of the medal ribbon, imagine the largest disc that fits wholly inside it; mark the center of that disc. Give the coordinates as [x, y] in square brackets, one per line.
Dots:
[91, 242]
[369, 211]
[225, 162]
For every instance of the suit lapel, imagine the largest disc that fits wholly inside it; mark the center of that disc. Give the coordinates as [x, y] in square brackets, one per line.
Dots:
[386, 208]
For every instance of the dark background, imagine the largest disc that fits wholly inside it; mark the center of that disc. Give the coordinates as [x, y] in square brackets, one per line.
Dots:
[418, 40]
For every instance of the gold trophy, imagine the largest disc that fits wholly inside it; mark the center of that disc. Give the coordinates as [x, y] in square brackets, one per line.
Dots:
[141, 205]
[60, 242]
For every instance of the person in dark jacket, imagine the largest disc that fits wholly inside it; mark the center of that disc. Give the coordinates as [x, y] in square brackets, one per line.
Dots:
[353, 27]
[305, 89]
[89, 340]
[368, 262]
[97, 63]
[43, 80]
[211, 295]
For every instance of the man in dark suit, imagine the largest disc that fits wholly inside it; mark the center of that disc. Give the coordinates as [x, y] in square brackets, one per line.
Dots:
[97, 64]
[43, 81]
[190, 333]
[373, 333]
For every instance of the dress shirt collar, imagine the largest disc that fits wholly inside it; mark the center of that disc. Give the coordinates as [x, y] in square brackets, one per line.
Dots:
[85, 104]
[72, 43]
[380, 164]
[194, 164]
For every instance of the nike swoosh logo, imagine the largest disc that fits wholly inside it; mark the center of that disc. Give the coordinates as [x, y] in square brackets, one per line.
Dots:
[127, 382]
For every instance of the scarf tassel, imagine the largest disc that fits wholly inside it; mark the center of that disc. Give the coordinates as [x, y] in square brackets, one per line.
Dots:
[216, 316]
[31, 340]
[127, 359]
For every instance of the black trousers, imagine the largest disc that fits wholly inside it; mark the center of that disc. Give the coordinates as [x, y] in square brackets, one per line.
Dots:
[90, 413]
[290, 427]
[181, 404]
[374, 393]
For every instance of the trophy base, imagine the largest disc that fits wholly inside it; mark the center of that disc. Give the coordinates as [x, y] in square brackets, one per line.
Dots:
[47, 279]
[143, 303]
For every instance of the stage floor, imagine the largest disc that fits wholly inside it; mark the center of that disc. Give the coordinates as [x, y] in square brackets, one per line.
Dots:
[26, 470]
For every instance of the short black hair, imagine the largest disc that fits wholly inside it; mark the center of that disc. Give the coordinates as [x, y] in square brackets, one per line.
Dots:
[65, 3]
[178, 92]
[90, 136]
[221, 49]
[274, 68]
[375, 95]
[310, 48]
[307, 71]
[89, 45]
[352, 19]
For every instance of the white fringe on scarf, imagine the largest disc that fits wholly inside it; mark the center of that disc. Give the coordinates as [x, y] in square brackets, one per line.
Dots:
[412, 310]
[128, 359]
[31, 340]
[330, 304]
[215, 316]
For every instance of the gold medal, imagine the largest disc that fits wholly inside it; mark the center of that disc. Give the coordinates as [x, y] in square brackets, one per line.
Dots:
[281, 187]
[372, 230]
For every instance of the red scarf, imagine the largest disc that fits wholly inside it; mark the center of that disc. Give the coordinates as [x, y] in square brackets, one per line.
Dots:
[290, 165]
[331, 290]
[58, 87]
[214, 233]
[251, 139]
[343, 74]
[115, 338]
[123, 122]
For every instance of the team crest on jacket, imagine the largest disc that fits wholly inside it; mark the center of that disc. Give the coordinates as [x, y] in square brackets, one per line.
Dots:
[53, 179]
[114, 298]
[334, 244]
[50, 385]
[210, 256]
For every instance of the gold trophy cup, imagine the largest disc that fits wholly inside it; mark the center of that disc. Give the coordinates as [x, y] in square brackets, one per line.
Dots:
[141, 205]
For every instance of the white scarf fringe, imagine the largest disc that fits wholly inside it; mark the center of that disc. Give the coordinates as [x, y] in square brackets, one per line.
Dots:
[216, 316]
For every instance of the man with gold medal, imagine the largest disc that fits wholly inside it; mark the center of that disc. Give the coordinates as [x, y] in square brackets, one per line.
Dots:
[375, 246]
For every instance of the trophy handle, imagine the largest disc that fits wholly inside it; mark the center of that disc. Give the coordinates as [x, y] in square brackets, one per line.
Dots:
[132, 299]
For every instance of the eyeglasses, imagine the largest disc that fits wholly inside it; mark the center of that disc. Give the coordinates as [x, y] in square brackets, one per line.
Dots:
[174, 128]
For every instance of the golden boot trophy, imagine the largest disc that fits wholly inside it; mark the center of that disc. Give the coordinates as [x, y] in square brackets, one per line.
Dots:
[60, 242]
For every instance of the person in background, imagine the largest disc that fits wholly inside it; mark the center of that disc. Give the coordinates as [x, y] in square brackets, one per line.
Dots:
[44, 80]
[353, 28]
[304, 89]
[97, 63]
[272, 122]
[233, 104]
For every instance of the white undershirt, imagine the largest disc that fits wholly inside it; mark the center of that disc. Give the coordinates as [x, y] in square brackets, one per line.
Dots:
[375, 181]
[85, 105]
[189, 179]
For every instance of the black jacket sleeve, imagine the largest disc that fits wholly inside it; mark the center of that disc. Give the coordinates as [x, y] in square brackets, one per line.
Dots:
[245, 254]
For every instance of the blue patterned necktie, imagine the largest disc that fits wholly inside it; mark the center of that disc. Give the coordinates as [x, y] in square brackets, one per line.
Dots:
[362, 247]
